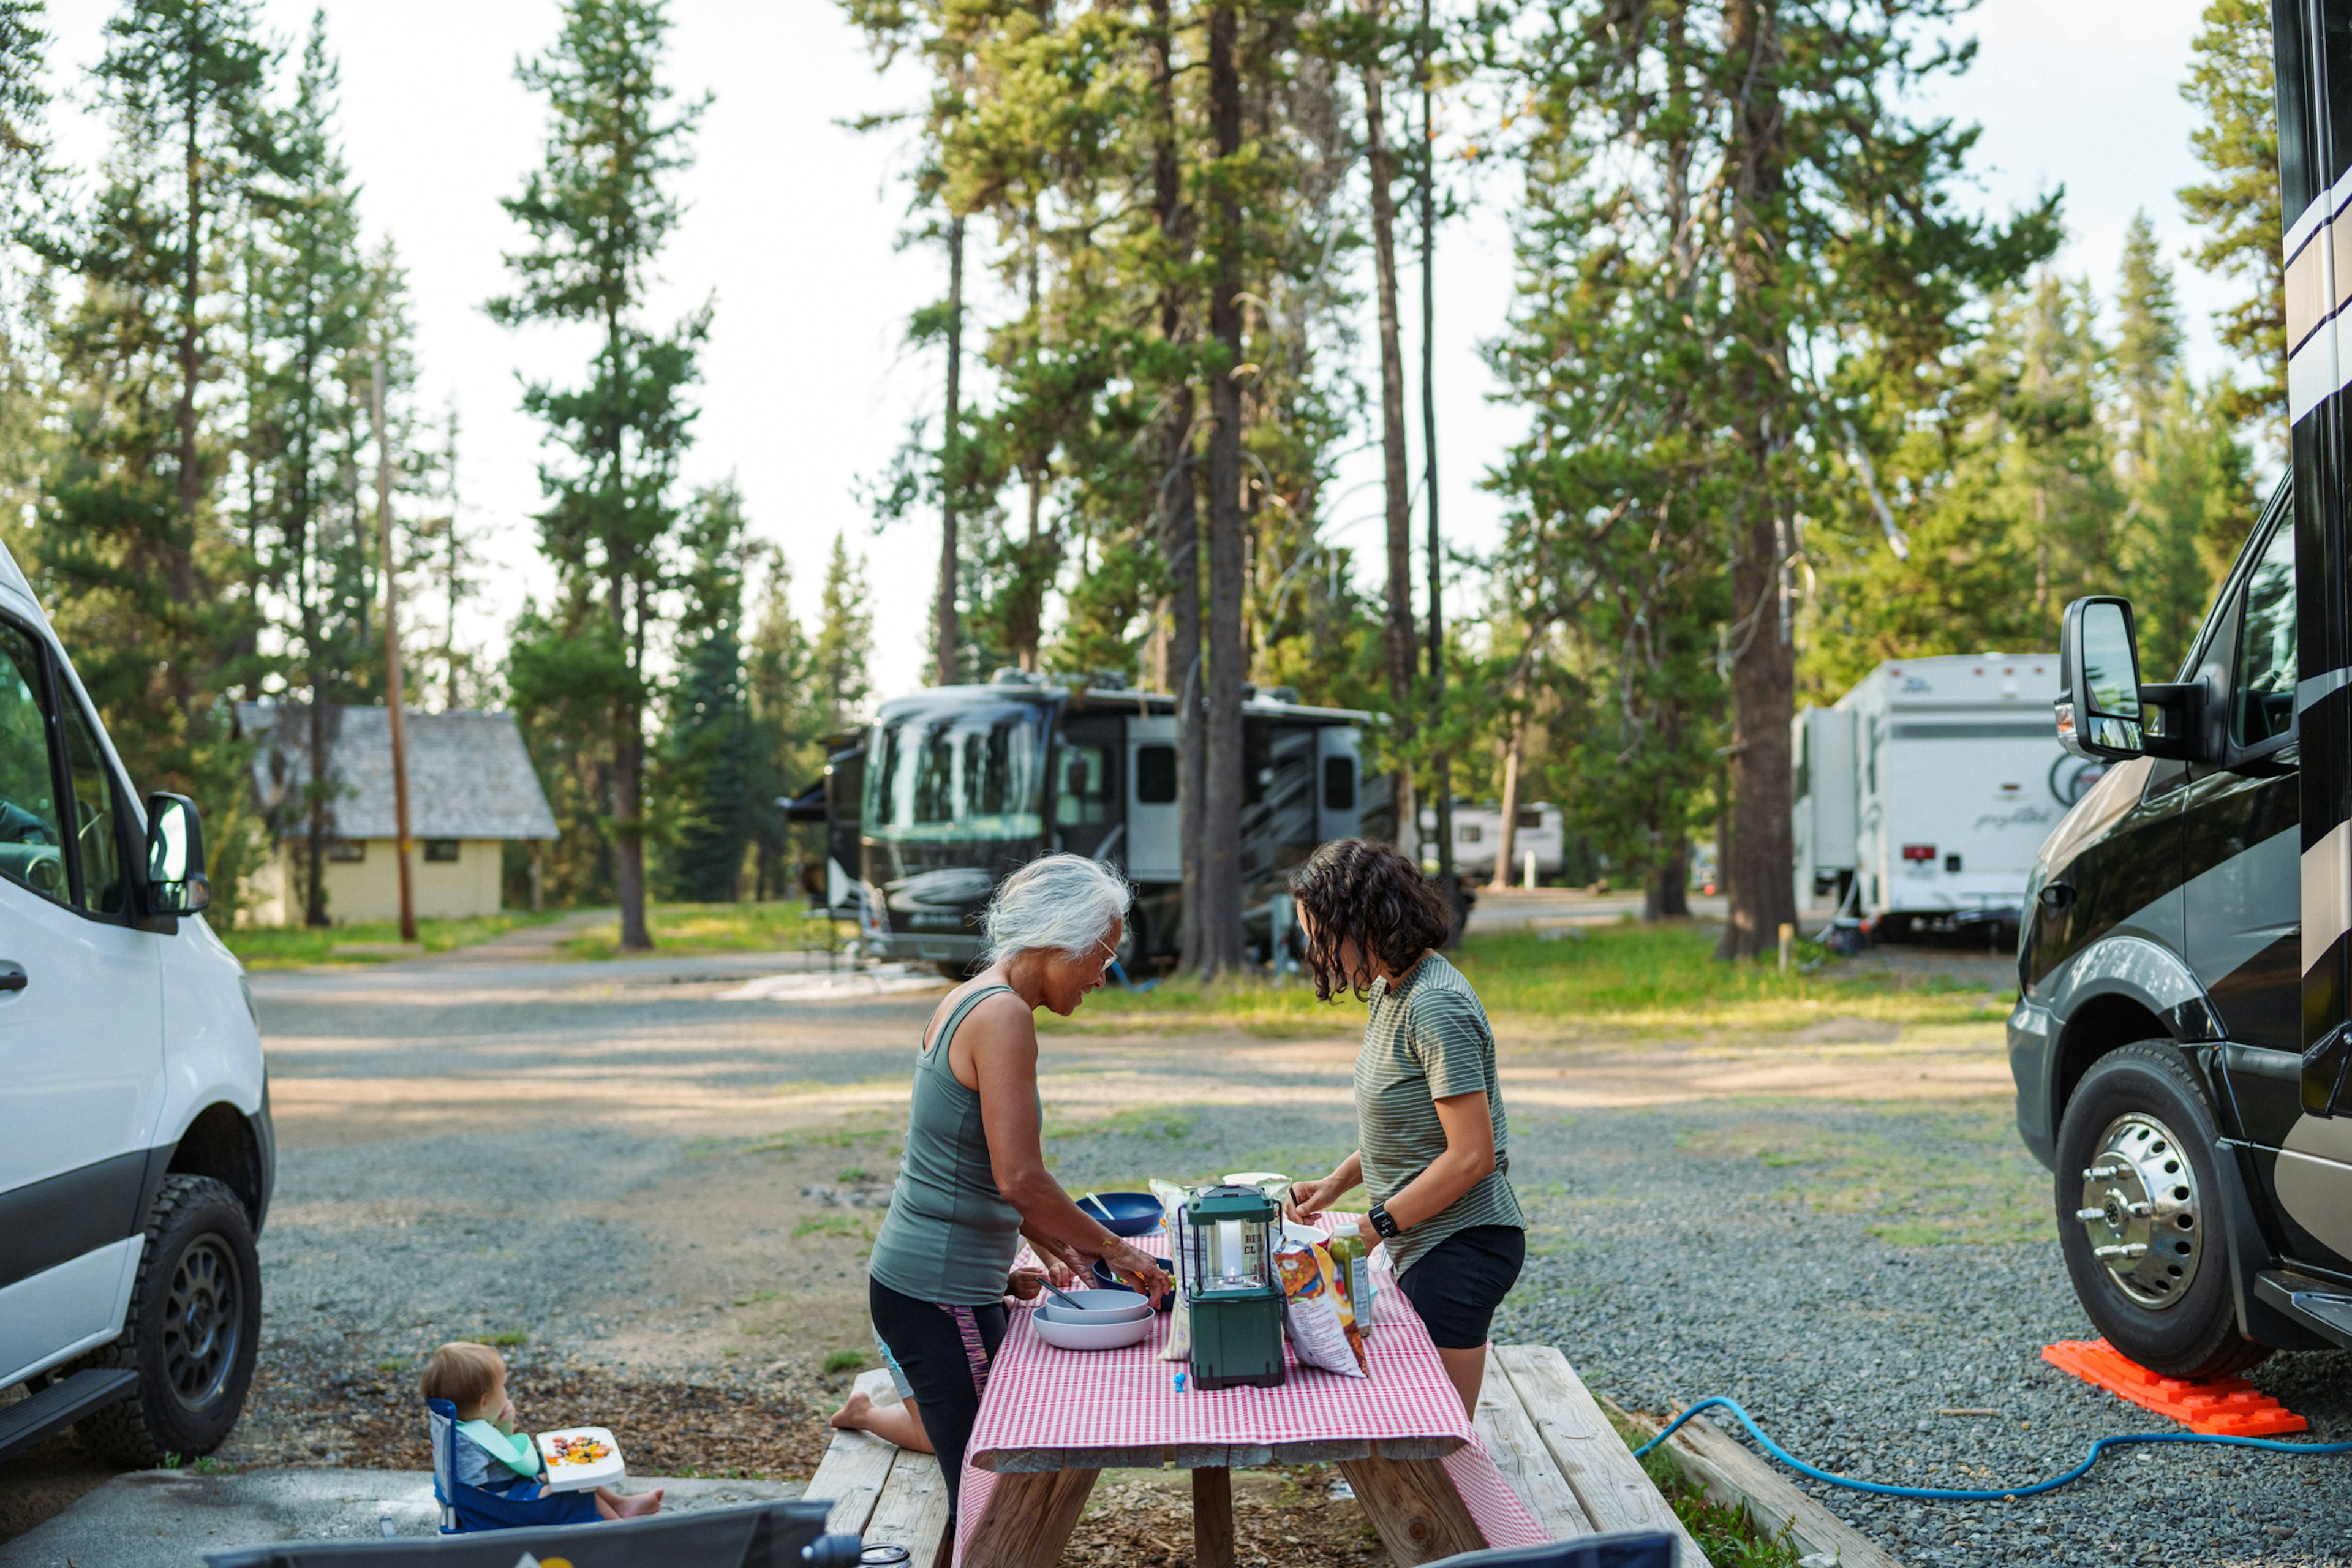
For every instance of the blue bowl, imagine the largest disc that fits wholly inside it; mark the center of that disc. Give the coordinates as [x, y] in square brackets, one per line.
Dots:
[1131, 1214]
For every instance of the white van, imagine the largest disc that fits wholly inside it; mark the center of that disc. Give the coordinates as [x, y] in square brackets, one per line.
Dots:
[136, 1155]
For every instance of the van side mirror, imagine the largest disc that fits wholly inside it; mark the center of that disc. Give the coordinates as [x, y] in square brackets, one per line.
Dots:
[176, 884]
[2098, 707]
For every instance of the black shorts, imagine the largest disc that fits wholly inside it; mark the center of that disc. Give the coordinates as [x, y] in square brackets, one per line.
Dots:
[1456, 1285]
[945, 1353]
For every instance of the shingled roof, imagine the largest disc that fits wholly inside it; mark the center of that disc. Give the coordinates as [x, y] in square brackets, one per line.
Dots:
[468, 775]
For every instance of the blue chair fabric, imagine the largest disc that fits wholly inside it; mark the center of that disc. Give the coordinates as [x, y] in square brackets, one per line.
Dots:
[470, 1508]
[1625, 1549]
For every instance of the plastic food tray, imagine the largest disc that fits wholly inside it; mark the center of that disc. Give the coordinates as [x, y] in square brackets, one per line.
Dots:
[576, 1478]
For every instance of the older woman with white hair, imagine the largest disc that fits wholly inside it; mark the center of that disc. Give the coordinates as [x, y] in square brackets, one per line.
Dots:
[972, 1179]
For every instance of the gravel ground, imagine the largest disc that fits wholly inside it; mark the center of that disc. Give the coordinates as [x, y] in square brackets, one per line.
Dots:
[1673, 1263]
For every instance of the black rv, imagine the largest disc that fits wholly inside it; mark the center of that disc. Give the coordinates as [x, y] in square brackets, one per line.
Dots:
[953, 787]
[2181, 1045]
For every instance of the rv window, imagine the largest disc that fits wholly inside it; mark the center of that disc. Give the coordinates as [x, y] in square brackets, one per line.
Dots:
[957, 772]
[2261, 698]
[1469, 833]
[1084, 799]
[1338, 783]
[1155, 776]
[1530, 819]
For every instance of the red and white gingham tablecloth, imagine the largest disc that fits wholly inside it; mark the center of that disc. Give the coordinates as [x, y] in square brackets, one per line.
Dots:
[1042, 1397]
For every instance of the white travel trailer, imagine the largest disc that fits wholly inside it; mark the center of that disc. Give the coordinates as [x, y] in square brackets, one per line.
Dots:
[1923, 795]
[1478, 834]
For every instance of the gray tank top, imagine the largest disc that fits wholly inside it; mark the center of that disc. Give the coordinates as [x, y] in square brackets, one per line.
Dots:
[950, 1235]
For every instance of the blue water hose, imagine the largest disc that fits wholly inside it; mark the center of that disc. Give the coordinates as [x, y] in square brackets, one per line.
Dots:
[2002, 1494]
[1130, 984]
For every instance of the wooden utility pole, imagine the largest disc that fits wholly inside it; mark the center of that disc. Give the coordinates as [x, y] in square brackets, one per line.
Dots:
[392, 652]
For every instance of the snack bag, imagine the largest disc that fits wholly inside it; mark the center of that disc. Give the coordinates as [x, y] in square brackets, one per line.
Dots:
[1180, 1316]
[1322, 1329]
[1352, 1261]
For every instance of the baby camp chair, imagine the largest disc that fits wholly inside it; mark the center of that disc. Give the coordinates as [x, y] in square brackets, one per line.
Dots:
[1626, 1549]
[465, 1508]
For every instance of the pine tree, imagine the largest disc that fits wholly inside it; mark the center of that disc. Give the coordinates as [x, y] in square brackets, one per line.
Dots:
[309, 295]
[786, 728]
[598, 214]
[706, 772]
[843, 650]
[147, 581]
[2147, 337]
[2231, 82]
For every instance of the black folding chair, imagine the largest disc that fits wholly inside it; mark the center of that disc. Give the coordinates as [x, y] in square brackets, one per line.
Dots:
[756, 1535]
[1625, 1549]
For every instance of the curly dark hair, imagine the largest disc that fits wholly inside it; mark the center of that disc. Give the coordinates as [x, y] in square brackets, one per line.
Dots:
[1354, 890]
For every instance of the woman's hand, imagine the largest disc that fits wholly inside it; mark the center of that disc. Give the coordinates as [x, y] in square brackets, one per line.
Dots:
[1133, 1264]
[1307, 1199]
[1027, 1285]
[1063, 1264]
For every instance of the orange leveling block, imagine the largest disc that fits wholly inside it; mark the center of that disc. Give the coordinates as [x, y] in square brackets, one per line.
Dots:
[2217, 1407]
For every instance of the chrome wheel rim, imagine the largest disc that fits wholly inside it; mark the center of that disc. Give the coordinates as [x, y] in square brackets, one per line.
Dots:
[2141, 1211]
[202, 1321]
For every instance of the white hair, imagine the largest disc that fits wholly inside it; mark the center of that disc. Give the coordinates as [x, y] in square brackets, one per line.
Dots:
[1062, 901]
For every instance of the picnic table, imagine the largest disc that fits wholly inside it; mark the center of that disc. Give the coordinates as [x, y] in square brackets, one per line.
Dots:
[1051, 1420]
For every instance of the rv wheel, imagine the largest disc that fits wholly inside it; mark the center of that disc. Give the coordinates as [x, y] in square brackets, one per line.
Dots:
[2139, 1216]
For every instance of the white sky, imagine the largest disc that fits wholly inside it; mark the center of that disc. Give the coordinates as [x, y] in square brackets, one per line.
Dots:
[793, 225]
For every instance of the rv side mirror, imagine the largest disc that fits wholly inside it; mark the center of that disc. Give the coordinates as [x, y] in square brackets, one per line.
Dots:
[2327, 1074]
[2098, 705]
[176, 884]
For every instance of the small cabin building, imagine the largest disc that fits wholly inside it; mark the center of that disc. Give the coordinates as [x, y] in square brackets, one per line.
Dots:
[471, 791]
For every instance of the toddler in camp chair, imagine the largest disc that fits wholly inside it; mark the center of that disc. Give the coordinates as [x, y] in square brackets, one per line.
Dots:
[491, 1452]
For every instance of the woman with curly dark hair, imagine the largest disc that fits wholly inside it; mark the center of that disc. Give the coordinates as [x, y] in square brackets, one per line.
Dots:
[1431, 1137]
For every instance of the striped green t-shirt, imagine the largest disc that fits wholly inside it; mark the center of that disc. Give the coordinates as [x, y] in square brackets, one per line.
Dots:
[1427, 1039]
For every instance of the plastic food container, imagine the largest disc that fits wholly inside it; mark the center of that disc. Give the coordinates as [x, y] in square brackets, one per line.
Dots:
[1127, 1314]
[580, 1457]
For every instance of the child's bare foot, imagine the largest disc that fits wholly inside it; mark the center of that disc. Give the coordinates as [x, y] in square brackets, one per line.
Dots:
[612, 1505]
[854, 1415]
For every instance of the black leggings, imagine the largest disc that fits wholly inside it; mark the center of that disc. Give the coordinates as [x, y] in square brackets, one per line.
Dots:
[945, 1353]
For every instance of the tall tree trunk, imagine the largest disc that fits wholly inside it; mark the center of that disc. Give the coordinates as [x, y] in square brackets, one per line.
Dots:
[1763, 668]
[1180, 522]
[943, 615]
[179, 551]
[1506, 844]
[1396, 480]
[1441, 765]
[1221, 821]
[1667, 896]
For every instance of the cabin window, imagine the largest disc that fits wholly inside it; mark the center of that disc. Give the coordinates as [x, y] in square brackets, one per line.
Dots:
[441, 852]
[1083, 797]
[1469, 833]
[1338, 783]
[1530, 819]
[1155, 776]
[350, 851]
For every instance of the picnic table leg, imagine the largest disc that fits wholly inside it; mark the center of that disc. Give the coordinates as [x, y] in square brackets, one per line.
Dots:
[1028, 1519]
[1212, 1517]
[1414, 1505]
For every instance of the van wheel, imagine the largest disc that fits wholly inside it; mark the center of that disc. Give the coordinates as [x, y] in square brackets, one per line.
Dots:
[2140, 1219]
[191, 1332]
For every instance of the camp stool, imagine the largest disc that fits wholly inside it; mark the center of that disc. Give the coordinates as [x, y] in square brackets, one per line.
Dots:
[465, 1508]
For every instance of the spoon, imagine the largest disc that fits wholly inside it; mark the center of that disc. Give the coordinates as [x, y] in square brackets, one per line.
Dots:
[1100, 1207]
[1073, 1305]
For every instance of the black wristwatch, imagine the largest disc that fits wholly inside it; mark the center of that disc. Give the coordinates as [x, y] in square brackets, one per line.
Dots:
[1388, 1227]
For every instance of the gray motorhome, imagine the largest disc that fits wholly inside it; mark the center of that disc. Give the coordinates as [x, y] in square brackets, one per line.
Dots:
[956, 785]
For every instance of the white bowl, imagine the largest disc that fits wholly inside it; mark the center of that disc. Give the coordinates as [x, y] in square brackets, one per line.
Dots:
[1099, 1300]
[1060, 1314]
[1072, 1336]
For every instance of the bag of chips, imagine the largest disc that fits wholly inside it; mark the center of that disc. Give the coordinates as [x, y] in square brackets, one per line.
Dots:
[1322, 1328]
[1180, 1316]
[1352, 1262]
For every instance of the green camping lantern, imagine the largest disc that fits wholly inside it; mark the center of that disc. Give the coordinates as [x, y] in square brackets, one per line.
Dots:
[1231, 1289]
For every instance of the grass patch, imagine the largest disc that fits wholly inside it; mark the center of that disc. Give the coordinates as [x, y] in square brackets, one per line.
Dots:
[1166, 1124]
[1726, 1534]
[1956, 1176]
[688, 931]
[506, 1340]
[848, 1225]
[1628, 976]
[295, 947]
[840, 1361]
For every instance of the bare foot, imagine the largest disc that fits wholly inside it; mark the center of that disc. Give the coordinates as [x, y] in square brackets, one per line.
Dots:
[853, 1417]
[638, 1507]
